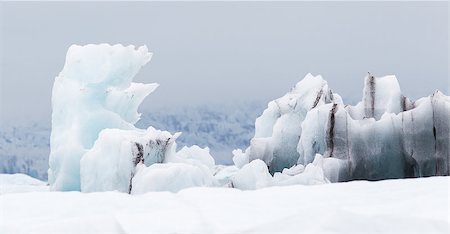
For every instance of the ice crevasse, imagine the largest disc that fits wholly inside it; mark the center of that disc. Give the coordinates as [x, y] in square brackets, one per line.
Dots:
[308, 136]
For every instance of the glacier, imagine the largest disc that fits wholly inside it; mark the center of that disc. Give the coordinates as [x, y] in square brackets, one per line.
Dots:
[308, 136]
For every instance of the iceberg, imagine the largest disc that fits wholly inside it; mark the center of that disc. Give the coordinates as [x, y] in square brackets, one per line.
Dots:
[400, 143]
[278, 129]
[93, 92]
[189, 167]
[111, 163]
[384, 136]
[308, 136]
[94, 144]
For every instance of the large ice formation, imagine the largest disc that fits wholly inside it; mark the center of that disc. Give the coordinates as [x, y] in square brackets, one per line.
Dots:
[93, 92]
[386, 135]
[111, 163]
[94, 143]
[278, 129]
[308, 136]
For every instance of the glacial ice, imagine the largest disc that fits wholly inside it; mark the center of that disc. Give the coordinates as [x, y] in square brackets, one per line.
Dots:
[253, 175]
[93, 92]
[403, 142]
[111, 163]
[240, 158]
[380, 95]
[94, 143]
[278, 129]
[171, 177]
[193, 155]
[308, 136]
[386, 135]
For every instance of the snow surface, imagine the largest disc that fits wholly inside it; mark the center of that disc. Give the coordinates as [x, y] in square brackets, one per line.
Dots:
[390, 206]
[19, 183]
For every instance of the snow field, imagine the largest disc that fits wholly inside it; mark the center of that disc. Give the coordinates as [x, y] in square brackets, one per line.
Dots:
[389, 206]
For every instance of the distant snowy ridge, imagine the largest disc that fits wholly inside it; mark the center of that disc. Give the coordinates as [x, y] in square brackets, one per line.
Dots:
[25, 149]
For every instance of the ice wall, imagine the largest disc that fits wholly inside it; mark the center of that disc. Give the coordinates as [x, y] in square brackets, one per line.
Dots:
[93, 92]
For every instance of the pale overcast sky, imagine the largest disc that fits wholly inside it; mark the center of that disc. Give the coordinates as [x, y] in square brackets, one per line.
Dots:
[217, 52]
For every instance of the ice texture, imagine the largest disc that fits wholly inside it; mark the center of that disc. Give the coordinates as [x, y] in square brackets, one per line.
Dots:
[94, 143]
[380, 95]
[253, 175]
[307, 137]
[189, 167]
[278, 129]
[111, 163]
[386, 135]
[93, 92]
[171, 177]
[400, 144]
[194, 155]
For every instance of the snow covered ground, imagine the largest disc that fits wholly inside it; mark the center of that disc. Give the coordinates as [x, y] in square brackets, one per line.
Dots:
[19, 183]
[390, 206]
